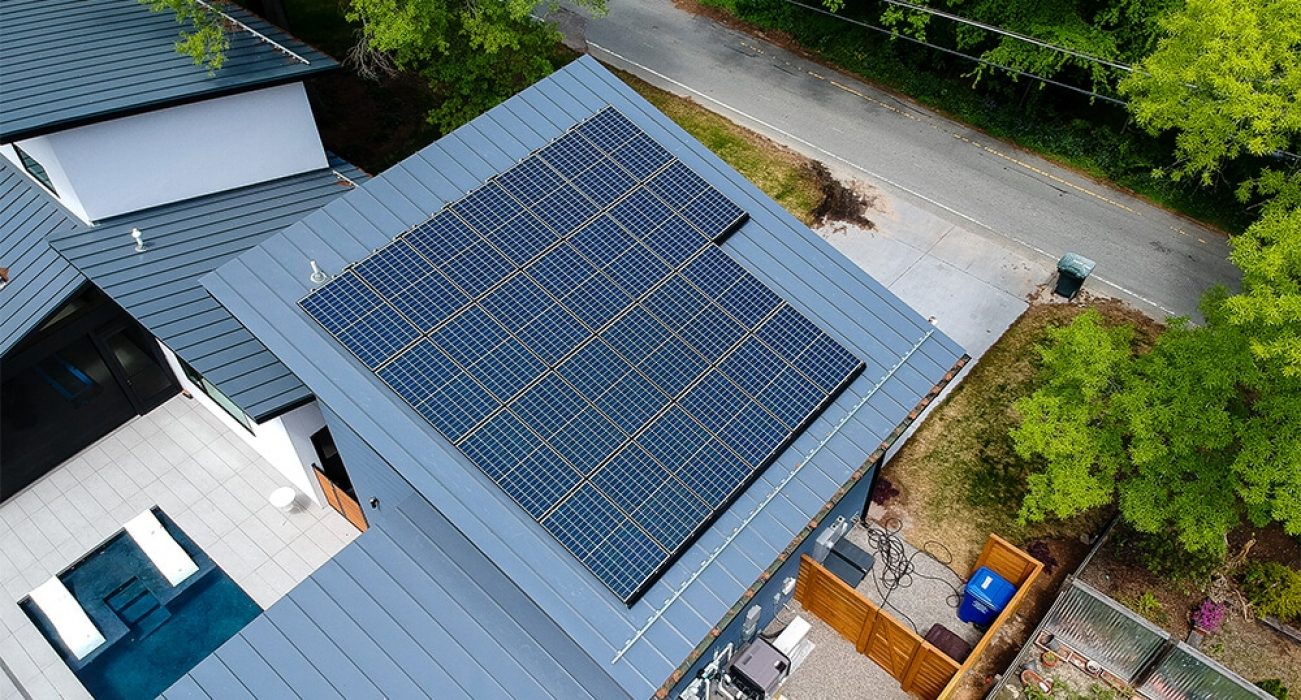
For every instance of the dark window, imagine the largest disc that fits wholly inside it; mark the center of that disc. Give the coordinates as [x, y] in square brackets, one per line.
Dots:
[35, 169]
[215, 394]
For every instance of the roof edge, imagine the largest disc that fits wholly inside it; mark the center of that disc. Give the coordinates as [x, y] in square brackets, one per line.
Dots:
[873, 459]
[8, 136]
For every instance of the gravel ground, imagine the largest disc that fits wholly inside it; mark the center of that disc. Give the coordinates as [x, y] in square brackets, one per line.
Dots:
[924, 598]
[835, 670]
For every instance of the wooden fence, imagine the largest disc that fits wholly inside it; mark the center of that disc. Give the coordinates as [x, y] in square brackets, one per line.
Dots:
[920, 668]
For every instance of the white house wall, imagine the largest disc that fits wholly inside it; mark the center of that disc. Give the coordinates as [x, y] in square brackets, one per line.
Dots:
[40, 150]
[284, 441]
[168, 155]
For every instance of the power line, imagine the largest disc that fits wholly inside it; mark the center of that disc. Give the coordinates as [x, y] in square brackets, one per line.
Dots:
[953, 52]
[1008, 33]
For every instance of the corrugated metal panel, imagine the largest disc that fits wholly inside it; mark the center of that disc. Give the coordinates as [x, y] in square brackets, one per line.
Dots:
[70, 62]
[185, 240]
[1187, 674]
[660, 630]
[40, 278]
[1105, 631]
[410, 609]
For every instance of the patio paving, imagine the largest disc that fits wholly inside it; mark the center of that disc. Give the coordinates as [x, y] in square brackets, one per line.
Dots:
[208, 480]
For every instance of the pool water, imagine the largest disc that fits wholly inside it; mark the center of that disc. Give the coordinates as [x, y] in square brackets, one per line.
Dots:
[156, 632]
[210, 612]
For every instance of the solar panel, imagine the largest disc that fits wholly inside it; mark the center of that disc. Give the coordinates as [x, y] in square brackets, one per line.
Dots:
[574, 329]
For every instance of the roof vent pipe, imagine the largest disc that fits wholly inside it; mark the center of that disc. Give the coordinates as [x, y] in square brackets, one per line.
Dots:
[139, 239]
[318, 277]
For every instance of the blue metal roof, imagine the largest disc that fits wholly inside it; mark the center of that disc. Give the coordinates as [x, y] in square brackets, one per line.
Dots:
[412, 609]
[71, 62]
[639, 646]
[185, 240]
[40, 278]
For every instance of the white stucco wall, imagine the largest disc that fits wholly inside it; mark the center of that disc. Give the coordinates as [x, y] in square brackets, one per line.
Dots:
[41, 152]
[168, 155]
[285, 441]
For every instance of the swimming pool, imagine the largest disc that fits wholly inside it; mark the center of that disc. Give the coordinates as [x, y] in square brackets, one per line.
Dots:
[156, 632]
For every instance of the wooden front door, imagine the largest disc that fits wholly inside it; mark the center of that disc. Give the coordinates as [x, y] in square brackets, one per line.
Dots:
[341, 500]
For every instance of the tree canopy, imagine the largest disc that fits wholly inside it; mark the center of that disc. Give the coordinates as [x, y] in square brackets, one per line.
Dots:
[1226, 78]
[1188, 438]
[203, 33]
[1114, 30]
[473, 53]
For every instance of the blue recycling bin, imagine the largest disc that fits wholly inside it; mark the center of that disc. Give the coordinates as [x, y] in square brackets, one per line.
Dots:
[985, 596]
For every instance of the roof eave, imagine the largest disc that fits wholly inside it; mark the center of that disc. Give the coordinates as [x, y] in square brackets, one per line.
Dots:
[877, 455]
[11, 135]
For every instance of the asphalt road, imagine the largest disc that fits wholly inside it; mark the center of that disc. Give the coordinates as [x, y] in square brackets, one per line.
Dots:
[1157, 261]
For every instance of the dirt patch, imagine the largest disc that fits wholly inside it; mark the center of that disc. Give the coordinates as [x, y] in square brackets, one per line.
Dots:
[840, 202]
[1250, 649]
[957, 478]
[951, 492]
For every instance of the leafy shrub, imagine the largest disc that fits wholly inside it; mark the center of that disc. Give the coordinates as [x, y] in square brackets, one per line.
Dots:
[1273, 686]
[1150, 607]
[1273, 589]
[1039, 550]
[1209, 615]
[1165, 557]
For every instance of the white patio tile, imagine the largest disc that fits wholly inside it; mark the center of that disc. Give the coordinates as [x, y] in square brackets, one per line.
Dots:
[203, 475]
[66, 684]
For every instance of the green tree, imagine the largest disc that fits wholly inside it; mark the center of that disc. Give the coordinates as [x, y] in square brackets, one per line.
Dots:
[1226, 78]
[1189, 437]
[473, 53]
[1065, 423]
[203, 36]
[1114, 30]
[1269, 255]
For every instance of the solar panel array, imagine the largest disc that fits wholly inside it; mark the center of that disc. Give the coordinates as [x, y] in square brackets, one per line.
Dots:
[574, 329]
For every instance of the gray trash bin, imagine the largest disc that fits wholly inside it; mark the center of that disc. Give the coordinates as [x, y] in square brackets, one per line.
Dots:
[1072, 270]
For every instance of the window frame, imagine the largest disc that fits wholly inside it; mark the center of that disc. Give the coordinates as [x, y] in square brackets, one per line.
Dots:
[212, 392]
[35, 169]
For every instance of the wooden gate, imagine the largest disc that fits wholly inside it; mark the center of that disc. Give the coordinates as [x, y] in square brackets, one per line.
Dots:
[340, 500]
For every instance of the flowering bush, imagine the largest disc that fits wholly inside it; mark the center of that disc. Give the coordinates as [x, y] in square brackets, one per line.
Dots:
[1209, 615]
[884, 491]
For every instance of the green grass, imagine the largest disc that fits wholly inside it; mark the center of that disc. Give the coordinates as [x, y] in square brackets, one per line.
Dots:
[959, 476]
[785, 176]
[1096, 138]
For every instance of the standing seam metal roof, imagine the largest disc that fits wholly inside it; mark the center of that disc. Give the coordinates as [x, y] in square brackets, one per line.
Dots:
[69, 62]
[905, 358]
[408, 610]
[185, 240]
[40, 278]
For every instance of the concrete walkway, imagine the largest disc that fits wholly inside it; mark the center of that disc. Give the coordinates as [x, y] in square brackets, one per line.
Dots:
[973, 288]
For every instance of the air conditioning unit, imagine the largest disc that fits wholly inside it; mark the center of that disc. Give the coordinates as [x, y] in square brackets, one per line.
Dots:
[827, 538]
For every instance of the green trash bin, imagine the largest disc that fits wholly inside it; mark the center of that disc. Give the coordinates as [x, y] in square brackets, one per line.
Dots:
[1072, 270]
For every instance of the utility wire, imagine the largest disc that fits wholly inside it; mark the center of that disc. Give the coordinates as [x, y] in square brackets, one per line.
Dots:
[952, 52]
[1008, 33]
